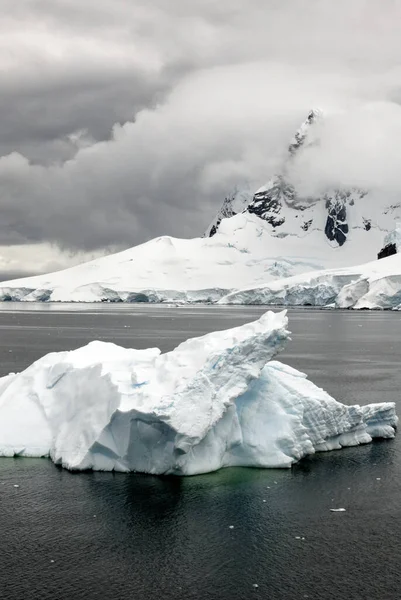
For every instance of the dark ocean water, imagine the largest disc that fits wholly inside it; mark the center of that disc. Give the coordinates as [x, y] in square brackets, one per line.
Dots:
[142, 537]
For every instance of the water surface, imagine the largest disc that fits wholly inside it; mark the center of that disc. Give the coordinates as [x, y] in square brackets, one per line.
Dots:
[143, 537]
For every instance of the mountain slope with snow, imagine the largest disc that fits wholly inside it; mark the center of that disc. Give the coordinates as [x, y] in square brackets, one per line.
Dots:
[255, 239]
[241, 254]
[337, 213]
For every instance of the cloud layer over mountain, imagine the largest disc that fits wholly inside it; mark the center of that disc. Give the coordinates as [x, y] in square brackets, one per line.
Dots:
[122, 120]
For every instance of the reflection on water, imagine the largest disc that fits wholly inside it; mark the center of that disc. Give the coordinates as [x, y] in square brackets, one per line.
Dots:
[170, 537]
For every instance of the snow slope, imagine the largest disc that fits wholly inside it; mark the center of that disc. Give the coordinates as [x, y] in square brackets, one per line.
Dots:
[374, 285]
[212, 402]
[171, 269]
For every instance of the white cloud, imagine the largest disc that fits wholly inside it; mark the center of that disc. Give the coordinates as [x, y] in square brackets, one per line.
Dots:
[38, 258]
[167, 171]
[357, 148]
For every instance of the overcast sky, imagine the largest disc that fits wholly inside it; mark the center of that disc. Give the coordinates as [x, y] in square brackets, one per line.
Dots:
[121, 120]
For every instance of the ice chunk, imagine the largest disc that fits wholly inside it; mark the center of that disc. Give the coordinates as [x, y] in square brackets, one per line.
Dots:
[215, 401]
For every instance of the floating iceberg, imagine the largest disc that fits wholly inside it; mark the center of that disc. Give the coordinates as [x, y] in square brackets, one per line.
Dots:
[215, 401]
[374, 285]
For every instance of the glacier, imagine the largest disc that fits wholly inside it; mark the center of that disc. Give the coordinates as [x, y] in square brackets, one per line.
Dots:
[371, 286]
[215, 401]
[241, 253]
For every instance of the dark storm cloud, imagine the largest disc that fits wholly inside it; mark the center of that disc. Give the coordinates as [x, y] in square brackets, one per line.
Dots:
[205, 95]
[67, 66]
[38, 121]
[7, 275]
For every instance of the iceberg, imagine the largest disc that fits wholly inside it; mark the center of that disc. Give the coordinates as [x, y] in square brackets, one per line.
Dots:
[215, 401]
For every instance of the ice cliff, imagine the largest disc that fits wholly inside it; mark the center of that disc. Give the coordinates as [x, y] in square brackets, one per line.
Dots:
[215, 401]
[375, 286]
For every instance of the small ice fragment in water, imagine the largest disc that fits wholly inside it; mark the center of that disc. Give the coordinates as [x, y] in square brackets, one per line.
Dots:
[302, 538]
[16, 485]
[337, 509]
[231, 526]
[51, 560]
[263, 500]
[378, 478]
[255, 585]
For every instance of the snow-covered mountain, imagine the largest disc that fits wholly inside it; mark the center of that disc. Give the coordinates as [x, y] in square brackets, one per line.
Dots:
[337, 213]
[255, 239]
[169, 269]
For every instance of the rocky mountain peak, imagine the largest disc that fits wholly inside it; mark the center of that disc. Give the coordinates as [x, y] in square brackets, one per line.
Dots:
[288, 212]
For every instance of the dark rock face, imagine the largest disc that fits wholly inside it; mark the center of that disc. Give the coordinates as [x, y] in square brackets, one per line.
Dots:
[388, 250]
[214, 228]
[226, 212]
[300, 135]
[267, 204]
[305, 226]
[336, 224]
[367, 223]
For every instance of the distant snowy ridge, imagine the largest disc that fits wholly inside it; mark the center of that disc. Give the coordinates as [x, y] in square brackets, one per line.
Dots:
[374, 285]
[215, 401]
